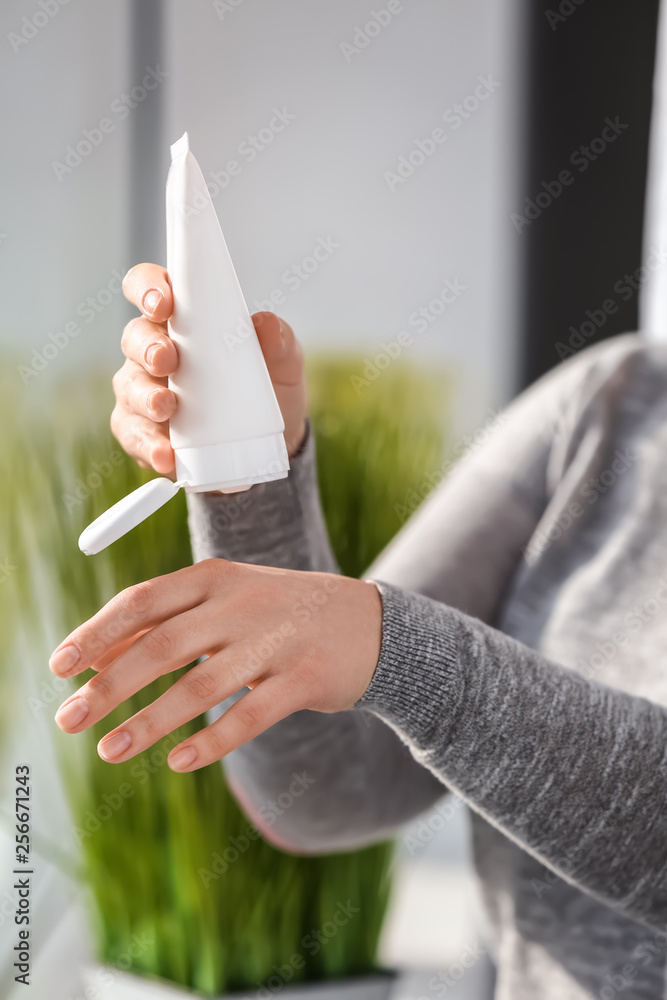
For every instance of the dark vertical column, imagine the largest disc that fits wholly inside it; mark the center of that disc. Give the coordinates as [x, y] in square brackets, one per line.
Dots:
[148, 145]
[590, 63]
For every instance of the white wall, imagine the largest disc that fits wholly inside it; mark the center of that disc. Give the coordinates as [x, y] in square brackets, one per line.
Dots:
[62, 238]
[323, 175]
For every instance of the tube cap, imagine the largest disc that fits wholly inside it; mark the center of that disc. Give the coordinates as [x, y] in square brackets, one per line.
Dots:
[127, 514]
[232, 466]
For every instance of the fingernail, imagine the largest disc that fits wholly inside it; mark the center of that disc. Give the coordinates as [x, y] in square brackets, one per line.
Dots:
[65, 659]
[113, 746]
[72, 713]
[151, 353]
[151, 300]
[182, 758]
[156, 402]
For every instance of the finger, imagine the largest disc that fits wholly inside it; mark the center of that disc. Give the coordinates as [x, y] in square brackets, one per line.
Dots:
[144, 440]
[74, 719]
[147, 287]
[104, 661]
[162, 649]
[268, 703]
[150, 345]
[282, 351]
[203, 686]
[139, 607]
[143, 394]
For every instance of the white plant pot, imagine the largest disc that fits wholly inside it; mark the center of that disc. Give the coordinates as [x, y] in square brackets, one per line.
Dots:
[111, 984]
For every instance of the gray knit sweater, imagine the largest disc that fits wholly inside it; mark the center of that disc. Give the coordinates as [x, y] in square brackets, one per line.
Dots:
[523, 666]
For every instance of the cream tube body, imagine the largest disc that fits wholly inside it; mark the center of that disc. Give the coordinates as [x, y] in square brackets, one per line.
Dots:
[227, 432]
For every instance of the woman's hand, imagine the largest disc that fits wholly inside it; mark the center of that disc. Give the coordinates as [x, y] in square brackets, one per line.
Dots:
[297, 640]
[144, 403]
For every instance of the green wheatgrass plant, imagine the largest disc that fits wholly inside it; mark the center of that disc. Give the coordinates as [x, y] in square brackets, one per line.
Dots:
[9, 558]
[148, 858]
[376, 443]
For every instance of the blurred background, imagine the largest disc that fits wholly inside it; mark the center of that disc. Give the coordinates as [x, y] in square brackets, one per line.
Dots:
[478, 173]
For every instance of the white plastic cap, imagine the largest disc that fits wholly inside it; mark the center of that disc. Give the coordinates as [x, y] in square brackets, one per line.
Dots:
[126, 514]
[232, 466]
[227, 468]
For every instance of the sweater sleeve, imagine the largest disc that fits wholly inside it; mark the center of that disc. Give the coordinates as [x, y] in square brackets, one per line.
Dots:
[572, 771]
[272, 524]
[333, 769]
[461, 548]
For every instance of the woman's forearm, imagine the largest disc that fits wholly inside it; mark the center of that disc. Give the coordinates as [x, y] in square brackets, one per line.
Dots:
[347, 777]
[273, 524]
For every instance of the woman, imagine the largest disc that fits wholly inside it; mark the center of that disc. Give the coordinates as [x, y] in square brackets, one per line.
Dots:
[512, 650]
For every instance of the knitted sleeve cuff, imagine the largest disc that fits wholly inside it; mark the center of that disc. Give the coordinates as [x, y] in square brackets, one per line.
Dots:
[274, 524]
[417, 686]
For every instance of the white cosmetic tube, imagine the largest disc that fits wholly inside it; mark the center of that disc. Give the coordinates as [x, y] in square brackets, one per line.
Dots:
[227, 432]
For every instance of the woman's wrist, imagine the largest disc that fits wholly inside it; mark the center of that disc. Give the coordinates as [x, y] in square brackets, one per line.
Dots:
[301, 440]
[296, 441]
